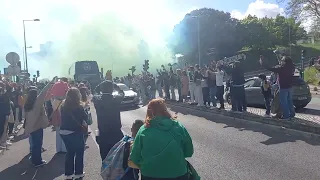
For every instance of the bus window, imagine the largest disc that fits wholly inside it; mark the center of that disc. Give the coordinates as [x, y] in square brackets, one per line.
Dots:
[86, 67]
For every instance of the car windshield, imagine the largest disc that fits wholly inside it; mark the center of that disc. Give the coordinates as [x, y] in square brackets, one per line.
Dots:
[123, 87]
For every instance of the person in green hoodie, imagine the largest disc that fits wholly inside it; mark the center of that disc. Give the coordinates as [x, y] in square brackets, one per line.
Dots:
[161, 145]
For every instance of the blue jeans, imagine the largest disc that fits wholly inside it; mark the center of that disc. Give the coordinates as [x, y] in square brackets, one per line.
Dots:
[238, 98]
[75, 151]
[286, 103]
[267, 101]
[30, 143]
[36, 145]
[213, 94]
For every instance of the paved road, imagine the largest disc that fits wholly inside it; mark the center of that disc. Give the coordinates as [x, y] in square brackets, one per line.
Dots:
[224, 150]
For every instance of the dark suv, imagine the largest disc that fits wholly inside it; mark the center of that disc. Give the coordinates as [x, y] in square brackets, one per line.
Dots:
[301, 92]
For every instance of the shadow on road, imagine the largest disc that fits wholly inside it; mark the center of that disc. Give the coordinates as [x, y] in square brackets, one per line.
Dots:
[315, 112]
[129, 108]
[277, 136]
[19, 138]
[25, 171]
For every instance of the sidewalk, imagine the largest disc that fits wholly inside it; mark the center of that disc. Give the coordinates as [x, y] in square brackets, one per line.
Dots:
[302, 122]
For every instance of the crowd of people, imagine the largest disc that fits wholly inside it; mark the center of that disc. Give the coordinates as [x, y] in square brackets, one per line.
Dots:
[205, 86]
[66, 107]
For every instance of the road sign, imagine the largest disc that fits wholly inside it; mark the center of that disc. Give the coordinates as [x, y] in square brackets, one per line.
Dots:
[12, 58]
[13, 70]
[24, 75]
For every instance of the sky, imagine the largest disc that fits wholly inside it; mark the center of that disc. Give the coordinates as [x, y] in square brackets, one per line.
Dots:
[60, 18]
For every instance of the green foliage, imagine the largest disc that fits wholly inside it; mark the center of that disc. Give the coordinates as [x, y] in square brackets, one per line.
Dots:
[217, 30]
[310, 76]
[228, 36]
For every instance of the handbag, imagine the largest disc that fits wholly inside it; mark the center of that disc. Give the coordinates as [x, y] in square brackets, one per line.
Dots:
[84, 126]
[192, 174]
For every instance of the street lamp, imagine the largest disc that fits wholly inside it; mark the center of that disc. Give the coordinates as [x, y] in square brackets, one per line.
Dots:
[198, 24]
[23, 54]
[25, 41]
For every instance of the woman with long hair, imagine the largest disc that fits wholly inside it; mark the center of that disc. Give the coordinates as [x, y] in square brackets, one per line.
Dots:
[36, 121]
[72, 131]
[161, 145]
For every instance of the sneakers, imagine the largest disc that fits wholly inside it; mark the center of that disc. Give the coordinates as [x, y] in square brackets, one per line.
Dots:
[79, 176]
[68, 177]
[9, 143]
[267, 116]
[43, 162]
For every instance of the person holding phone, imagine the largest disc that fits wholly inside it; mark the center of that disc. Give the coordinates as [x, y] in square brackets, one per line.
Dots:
[285, 76]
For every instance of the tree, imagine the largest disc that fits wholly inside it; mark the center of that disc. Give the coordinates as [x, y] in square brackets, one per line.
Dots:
[300, 9]
[216, 30]
[256, 36]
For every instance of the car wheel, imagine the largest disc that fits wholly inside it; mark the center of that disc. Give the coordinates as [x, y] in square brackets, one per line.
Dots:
[298, 107]
[229, 99]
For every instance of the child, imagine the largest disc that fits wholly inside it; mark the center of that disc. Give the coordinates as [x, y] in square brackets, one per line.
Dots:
[133, 172]
[266, 91]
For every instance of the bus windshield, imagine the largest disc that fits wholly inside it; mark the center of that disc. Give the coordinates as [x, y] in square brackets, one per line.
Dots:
[86, 67]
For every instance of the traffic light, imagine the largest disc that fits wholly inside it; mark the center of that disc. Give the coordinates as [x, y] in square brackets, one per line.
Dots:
[38, 73]
[303, 53]
[132, 69]
[146, 65]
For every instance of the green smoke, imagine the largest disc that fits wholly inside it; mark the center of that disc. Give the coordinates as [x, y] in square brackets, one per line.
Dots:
[114, 44]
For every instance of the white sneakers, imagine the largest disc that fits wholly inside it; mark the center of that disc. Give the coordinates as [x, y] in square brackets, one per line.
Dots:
[78, 176]
[267, 116]
[75, 176]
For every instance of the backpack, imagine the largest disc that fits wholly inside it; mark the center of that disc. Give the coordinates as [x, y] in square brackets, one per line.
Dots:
[115, 166]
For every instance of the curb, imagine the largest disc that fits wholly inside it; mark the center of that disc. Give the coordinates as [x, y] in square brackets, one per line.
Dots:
[15, 132]
[308, 130]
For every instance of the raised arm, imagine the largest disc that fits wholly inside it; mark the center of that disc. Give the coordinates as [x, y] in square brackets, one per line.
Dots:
[42, 95]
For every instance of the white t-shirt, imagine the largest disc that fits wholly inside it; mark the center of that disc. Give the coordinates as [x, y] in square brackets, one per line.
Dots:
[219, 78]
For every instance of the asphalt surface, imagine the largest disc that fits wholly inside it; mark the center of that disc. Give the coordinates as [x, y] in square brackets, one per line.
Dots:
[224, 150]
[313, 108]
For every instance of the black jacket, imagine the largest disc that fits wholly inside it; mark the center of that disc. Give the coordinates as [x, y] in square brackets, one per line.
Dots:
[73, 120]
[285, 74]
[4, 106]
[108, 112]
[237, 75]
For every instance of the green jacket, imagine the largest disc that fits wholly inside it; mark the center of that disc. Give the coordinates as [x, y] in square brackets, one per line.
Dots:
[160, 150]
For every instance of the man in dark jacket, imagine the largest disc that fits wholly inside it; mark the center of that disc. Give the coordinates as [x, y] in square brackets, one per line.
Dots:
[237, 91]
[285, 75]
[108, 116]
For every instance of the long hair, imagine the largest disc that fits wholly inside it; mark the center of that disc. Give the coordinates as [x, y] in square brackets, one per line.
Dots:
[31, 99]
[73, 99]
[84, 95]
[156, 107]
